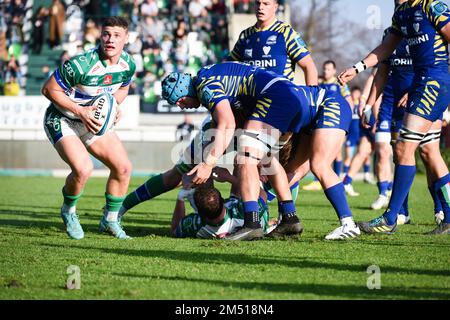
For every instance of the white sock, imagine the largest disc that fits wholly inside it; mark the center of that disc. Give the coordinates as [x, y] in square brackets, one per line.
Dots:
[66, 209]
[347, 221]
[111, 215]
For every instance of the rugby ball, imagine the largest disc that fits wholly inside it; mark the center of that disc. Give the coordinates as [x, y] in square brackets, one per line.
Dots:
[105, 111]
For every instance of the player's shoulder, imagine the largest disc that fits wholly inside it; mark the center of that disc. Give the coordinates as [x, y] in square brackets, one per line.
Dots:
[84, 61]
[247, 32]
[435, 7]
[283, 27]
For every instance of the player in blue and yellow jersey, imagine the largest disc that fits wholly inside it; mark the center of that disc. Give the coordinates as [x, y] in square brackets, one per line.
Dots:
[398, 74]
[276, 108]
[274, 45]
[425, 26]
[71, 127]
[330, 83]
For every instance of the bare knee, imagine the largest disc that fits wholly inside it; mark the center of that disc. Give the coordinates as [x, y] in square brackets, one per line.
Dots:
[123, 169]
[83, 172]
[319, 167]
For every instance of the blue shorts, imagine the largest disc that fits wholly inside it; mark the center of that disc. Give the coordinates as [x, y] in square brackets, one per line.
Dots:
[390, 117]
[353, 133]
[282, 107]
[429, 97]
[333, 113]
[368, 134]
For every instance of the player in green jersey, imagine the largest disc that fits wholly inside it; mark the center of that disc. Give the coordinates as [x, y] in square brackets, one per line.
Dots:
[71, 127]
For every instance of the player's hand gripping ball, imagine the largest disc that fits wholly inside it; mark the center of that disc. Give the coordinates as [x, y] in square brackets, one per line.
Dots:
[105, 111]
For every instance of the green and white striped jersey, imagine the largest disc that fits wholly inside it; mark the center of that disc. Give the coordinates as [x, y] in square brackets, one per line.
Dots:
[85, 76]
[194, 226]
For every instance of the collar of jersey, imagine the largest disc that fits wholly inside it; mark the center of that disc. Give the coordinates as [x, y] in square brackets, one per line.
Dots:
[225, 218]
[332, 80]
[414, 3]
[266, 28]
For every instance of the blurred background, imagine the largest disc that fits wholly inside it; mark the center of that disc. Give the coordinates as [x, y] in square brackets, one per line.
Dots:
[36, 36]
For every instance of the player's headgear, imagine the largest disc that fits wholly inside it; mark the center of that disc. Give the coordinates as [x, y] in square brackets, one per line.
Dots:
[177, 85]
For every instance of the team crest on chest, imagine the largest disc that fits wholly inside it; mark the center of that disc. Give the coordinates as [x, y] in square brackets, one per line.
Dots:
[271, 40]
[107, 79]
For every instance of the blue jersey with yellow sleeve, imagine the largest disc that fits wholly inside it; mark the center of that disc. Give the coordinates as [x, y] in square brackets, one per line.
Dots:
[277, 48]
[419, 23]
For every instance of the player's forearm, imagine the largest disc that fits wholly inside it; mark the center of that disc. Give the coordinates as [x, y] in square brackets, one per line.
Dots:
[379, 82]
[61, 100]
[309, 69]
[178, 214]
[222, 138]
[121, 94]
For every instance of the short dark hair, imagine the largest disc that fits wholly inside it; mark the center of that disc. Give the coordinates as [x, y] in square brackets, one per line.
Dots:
[330, 62]
[115, 22]
[209, 202]
[354, 88]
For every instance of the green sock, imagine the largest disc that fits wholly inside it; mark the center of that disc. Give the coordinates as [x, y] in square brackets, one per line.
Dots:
[153, 187]
[294, 191]
[70, 201]
[113, 204]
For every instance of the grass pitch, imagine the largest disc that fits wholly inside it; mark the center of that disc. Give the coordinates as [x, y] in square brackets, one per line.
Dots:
[35, 252]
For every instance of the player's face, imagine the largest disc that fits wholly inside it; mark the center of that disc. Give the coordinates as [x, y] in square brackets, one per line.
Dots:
[113, 39]
[328, 71]
[188, 103]
[266, 10]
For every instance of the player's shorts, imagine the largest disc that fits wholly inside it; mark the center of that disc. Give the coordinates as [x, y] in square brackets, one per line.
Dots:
[281, 106]
[429, 97]
[58, 126]
[367, 133]
[333, 113]
[192, 155]
[353, 133]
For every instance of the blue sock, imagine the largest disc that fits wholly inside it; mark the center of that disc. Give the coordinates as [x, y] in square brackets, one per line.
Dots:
[346, 168]
[404, 209]
[442, 187]
[337, 167]
[383, 187]
[286, 208]
[366, 168]
[336, 196]
[347, 180]
[391, 184]
[251, 217]
[436, 200]
[403, 179]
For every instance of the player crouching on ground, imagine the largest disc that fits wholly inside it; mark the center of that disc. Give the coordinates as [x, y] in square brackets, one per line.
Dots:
[71, 127]
[216, 218]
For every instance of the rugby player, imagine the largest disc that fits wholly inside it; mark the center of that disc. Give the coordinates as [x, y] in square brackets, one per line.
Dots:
[71, 127]
[277, 104]
[425, 26]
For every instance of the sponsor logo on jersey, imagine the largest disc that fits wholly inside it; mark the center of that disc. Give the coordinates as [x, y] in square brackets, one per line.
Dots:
[404, 30]
[418, 40]
[248, 53]
[93, 81]
[384, 125]
[271, 63]
[401, 62]
[438, 8]
[416, 27]
[271, 40]
[107, 79]
[266, 51]
[418, 16]
[300, 41]
[94, 69]
[69, 69]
